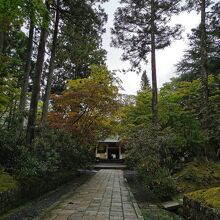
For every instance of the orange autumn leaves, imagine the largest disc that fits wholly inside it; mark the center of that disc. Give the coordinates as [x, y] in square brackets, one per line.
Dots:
[87, 107]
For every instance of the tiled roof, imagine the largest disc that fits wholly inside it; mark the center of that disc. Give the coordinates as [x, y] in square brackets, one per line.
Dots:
[114, 139]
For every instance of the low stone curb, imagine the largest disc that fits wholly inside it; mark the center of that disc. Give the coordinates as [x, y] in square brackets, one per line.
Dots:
[135, 205]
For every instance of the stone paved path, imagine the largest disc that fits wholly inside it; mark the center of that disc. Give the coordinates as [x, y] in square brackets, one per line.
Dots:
[104, 197]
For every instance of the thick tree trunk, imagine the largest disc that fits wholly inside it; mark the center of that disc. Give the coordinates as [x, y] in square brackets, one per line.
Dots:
[51, 69]
[36, 82]
[208, 150]
[153, 64]
[24, 89]
[204, 74]
[1, 37]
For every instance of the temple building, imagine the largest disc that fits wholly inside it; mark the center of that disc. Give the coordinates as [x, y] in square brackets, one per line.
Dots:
[110, 149]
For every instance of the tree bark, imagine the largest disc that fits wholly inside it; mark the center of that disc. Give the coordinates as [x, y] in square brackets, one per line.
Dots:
[1, 37]
[36, 81]
[153, 64]
[204, 74]
[24, 89]
[51, 69]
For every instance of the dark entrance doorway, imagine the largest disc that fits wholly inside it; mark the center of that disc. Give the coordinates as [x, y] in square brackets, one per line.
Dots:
[113, 152]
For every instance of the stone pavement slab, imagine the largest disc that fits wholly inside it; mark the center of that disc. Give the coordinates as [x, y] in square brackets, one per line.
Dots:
[104, 197]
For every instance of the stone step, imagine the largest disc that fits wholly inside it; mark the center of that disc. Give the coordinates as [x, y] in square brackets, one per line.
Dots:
[109, 166]
[171, 205]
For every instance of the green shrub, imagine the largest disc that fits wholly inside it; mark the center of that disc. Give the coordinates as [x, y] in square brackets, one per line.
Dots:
[31, 165]
[144, 154]
[155, 178]
[53, 151]
[142, 141]
[10, 150]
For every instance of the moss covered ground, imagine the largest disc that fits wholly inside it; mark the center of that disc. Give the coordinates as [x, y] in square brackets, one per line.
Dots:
[209, 197]
[7, 182]
[198, 174]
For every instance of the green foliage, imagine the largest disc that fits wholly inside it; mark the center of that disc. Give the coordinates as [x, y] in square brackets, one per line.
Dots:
[16, 10]
[180, 128]
[180, 109]
[142, 141]
[179, 102]
[42, 160]
[145, 83]
[79, 41]
[133, 28]
[143, 154]
[138, 113]
[189, 67]
[156, 178]
[53, 151]
[214, 111]
[156, 150]
[10, 151]
[31, 165]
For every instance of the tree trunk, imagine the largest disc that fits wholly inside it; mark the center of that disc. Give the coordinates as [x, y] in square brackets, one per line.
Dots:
[36, 81]
[24, 89]
[1, 37]
[153, 64]
[204, 74]
[51, 69]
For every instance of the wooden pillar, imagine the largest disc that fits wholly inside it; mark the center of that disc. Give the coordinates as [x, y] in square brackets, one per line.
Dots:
[96, 151]
[107, 151]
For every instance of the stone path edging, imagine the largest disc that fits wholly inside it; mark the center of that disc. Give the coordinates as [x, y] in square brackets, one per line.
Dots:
[135, 205]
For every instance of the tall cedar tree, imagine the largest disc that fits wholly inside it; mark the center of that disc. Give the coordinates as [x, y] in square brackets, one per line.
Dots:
[75, 43]
[51, 66]
[25, 78]
[32, 11]
[142, 26]
[145, 83]
[189, 67]
[201, 6]
[79, 41]
[37, 77]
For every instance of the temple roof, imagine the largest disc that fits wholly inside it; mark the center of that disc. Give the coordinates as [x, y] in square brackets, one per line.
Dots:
[112, 139]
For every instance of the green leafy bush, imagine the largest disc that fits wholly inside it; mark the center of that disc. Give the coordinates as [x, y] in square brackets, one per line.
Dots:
[31, 165]
[10, 150]
[144, 154]
[155, 178]
[142, 141]
[53, 151]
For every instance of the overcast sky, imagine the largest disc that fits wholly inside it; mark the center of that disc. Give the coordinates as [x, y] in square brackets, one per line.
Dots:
[166, 59]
